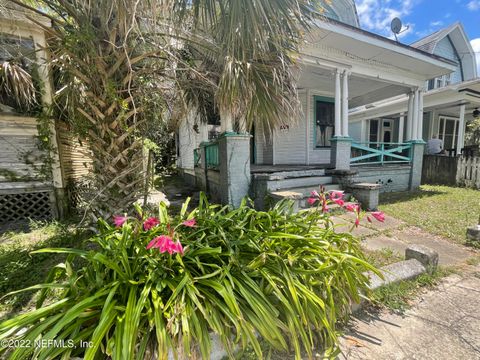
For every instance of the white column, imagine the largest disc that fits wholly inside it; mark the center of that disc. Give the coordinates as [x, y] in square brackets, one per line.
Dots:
[226, 122]
[420, 116]
[410, 116]
[338, 105]
[401, 127]
[345, 104]
[415, 116]
[461, 130]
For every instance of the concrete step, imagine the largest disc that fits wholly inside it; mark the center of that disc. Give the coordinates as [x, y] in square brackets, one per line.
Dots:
[281, 175]
[301, 182]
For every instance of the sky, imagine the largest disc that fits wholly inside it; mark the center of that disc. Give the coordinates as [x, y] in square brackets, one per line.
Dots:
[422, 17]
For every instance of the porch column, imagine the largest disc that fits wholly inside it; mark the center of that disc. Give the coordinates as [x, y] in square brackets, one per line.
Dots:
[226, 122]
[338, 105]
[401, 127]
[345, 105]
[415, 116]
[420, 116]
[234, 169]
[410, 116]
[461, 130]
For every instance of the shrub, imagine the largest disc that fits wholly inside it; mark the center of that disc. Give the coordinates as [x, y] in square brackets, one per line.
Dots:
[242, 274]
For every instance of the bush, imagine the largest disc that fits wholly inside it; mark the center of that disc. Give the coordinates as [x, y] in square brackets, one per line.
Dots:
[242, 274]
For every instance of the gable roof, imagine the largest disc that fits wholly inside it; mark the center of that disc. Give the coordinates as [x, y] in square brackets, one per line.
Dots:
[457, 35]
[429, 43]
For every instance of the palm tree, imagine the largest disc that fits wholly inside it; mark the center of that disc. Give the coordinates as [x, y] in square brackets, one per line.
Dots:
[122, 65]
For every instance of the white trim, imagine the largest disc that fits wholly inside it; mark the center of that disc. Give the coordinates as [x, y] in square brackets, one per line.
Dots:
[401, 128]
[308, 120]
[338, 105]
[461, 131]
[445, 118]
[345, 105]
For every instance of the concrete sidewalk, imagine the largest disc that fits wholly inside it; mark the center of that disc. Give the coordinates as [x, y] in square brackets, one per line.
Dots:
[443, 323]
[395, 235]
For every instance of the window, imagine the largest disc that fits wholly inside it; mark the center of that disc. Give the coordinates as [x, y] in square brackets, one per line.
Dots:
[448, 132]
[373, 136]
[324, 122]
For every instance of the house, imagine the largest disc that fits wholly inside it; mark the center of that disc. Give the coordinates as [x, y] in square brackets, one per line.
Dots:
[342, 69]
[34, 173]
[448, 102]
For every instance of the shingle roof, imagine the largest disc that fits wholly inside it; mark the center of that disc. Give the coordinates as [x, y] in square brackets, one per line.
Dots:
[429, 42]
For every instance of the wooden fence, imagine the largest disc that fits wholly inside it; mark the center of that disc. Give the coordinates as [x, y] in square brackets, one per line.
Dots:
[453, 171]
[468, 172]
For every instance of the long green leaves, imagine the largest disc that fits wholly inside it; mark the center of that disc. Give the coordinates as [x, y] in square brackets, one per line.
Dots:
[244, 274]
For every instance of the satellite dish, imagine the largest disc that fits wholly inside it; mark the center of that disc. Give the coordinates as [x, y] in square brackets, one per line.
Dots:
[396, 26]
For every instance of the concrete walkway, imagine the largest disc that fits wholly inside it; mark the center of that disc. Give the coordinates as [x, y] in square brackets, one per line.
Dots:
[443, 323]
[395, 235]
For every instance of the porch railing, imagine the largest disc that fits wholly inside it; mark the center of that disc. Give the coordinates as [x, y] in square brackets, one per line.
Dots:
[211, 154]
[380, 153]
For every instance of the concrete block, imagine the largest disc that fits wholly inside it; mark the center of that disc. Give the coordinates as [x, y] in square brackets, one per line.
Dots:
[426, 256]
[473, 234]
[367, 194]
[400, 271]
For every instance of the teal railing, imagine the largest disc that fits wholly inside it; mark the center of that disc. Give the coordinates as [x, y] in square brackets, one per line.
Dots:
[196, 157]
[380, 153]
[211, 155]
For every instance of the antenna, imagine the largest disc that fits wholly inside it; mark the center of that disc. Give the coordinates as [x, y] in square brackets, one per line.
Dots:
[396, 27]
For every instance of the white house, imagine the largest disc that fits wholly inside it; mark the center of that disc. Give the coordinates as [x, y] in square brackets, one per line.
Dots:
[448, 103]
[344, 69]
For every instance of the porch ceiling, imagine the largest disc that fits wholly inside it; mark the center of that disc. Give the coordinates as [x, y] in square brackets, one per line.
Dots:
[445, 101]
[362, 90]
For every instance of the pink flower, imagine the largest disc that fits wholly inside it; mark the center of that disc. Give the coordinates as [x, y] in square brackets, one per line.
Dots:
[119, 220]
[339, 202]
[380, 216]
[190, 223]
[150, 223]
[336, 195]
[352, 207]
[315, 194]
[369, 219]
[165, 244]
[311, 201]
[357, 221]
[325, 207]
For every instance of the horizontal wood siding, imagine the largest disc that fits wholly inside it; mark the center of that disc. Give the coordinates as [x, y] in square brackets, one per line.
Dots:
[290, 143]
[20, 156]
[75, 156]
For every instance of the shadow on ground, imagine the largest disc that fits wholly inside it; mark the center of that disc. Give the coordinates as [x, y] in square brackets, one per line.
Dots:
[20, 269]
[392, 198]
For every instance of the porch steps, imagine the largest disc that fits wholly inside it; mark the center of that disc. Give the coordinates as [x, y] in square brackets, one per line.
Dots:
[300, 195]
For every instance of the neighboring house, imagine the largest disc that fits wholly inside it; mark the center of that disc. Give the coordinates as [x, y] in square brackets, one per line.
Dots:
[342, 68]
[448, 103]
[32, 178]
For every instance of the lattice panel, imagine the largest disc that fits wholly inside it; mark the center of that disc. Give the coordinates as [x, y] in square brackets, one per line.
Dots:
[18, 207]
[79, 195]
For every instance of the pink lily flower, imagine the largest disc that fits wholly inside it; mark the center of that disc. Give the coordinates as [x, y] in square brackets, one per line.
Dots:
[336, 195]
[352, 207]
[150, 223]
[339, 202]
[369, 219]
[190, 223]
[357, 221]
[311, 201]
[380, 216]
[315, 194]
[119, 220]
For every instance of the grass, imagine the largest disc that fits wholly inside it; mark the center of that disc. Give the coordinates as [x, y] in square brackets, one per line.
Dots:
[440, 210]
[398, 297]
[383, 257]
[19, 269]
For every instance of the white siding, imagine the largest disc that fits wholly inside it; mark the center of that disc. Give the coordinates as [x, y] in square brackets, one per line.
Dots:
[355, 131]
[189, 140]
[290, 143]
